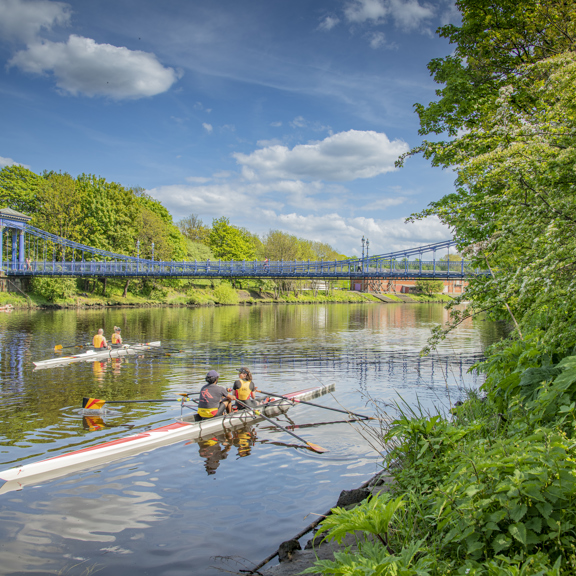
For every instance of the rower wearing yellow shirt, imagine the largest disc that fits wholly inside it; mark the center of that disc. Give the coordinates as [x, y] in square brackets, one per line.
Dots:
[116, 338]
[99, 341]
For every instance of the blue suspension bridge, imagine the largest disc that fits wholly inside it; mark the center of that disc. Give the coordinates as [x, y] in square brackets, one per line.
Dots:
[28, 251]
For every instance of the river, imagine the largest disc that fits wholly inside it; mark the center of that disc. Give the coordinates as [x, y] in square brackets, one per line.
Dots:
[177, 509]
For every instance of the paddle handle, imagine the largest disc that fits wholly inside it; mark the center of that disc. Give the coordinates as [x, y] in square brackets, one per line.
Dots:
[317, 405]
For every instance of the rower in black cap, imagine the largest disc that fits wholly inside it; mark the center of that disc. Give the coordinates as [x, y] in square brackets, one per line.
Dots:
[214, 399]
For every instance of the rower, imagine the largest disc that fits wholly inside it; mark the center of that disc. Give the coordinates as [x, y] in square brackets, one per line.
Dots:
[116, 338]
[214, 399]
[99, 341]
[244, 389]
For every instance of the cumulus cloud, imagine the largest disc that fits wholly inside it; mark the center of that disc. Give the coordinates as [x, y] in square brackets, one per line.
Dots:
[22, 20]
[242, 204]
[276, 124]
[407, 14]
[338, 158]
[9, 162]
[81, 66]
[328, 23]
[208, 127]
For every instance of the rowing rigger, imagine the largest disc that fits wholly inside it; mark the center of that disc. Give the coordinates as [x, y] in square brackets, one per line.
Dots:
[186, 427]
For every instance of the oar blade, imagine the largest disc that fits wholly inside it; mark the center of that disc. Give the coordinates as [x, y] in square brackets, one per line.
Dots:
[316, 448]
[92, 403]
[58, 347]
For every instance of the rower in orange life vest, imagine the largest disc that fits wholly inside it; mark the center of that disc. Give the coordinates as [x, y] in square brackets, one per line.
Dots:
[244, 389]
[214, 400]
[99, 341]
[116, 338]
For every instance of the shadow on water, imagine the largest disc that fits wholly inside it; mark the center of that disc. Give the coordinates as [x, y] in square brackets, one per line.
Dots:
[171, 509]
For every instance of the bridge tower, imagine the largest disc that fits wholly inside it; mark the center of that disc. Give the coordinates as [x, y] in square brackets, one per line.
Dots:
[15, 222]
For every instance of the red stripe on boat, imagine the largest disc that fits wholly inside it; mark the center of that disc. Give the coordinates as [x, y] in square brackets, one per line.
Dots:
[166, 428]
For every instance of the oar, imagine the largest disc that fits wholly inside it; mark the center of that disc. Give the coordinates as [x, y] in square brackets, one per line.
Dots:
[310, 445]
[59, 347]
[96, 404]
[319, 405]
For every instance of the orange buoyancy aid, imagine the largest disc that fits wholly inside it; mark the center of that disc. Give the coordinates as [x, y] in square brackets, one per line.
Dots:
[116, 338]
[99, 341]
[244, 392]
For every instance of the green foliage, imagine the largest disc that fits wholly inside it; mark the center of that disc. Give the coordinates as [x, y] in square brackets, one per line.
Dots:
[229, 242]
[19, 189]
[225, 294]
[53, 289]
[430, 287]
[198, 251]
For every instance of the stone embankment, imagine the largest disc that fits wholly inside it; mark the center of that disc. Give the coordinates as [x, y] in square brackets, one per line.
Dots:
[293, 559]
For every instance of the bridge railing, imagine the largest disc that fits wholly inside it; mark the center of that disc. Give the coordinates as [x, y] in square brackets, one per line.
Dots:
[276, 269]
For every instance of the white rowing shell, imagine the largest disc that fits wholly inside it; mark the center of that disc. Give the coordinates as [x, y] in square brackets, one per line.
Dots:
[17, 478]
[127, 349]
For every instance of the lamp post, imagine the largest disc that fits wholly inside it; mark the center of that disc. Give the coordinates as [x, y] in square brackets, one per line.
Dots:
[367, 244]
[137, 255]
[152, 251]
[363, 242]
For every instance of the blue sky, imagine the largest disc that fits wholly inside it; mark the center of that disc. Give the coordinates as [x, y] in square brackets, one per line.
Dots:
[277, 114]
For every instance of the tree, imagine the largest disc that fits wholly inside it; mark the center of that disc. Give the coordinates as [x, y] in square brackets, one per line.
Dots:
[19, 189]
[430, 287]
[279, 245]
[229, 242]
[513, 211]
[194, 229]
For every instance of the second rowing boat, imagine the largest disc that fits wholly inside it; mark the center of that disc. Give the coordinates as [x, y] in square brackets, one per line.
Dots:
[90, 355]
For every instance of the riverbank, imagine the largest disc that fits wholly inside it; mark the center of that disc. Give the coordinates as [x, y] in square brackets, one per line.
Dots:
[222, 295]
[486, 489]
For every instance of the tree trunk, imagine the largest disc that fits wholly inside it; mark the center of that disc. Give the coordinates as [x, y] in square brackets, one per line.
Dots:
[125, 293]
[93, 286]
[104, 281]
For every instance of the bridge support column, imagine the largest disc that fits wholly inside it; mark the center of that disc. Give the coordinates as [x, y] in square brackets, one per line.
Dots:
[1, 249]
[21, 251]
[14, 247]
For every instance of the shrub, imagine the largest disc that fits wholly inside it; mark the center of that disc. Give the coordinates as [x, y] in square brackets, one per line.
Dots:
[225, 294]
[53, 289]
[430, 286]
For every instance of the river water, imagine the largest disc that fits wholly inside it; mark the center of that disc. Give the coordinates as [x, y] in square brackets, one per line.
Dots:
[178, 509]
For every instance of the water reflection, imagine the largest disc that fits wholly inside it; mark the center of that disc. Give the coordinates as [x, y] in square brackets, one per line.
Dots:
[170, 509]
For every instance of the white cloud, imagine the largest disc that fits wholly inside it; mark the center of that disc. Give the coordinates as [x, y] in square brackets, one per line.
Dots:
[22, 20]
[207, 127]
[198, 179]
[328, 23]
[81, 66]
[407, 14]
[299, 122]
[384, 203]
[377, 39]
[9, 162]
[250, 203]
[341, 157]
[276, 124]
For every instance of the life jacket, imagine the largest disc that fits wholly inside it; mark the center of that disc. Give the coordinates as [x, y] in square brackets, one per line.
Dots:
[244, 392]
[99, 341]
[116, 338]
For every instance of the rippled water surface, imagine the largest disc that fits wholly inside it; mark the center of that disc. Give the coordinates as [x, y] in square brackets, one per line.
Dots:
[171, 510]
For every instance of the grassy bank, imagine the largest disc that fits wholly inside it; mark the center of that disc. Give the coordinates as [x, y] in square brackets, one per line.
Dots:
[223, 294]
[488, 490]
[85, 293]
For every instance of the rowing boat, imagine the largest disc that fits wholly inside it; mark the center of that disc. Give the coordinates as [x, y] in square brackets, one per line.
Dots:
[90, 355]
[185, 427]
